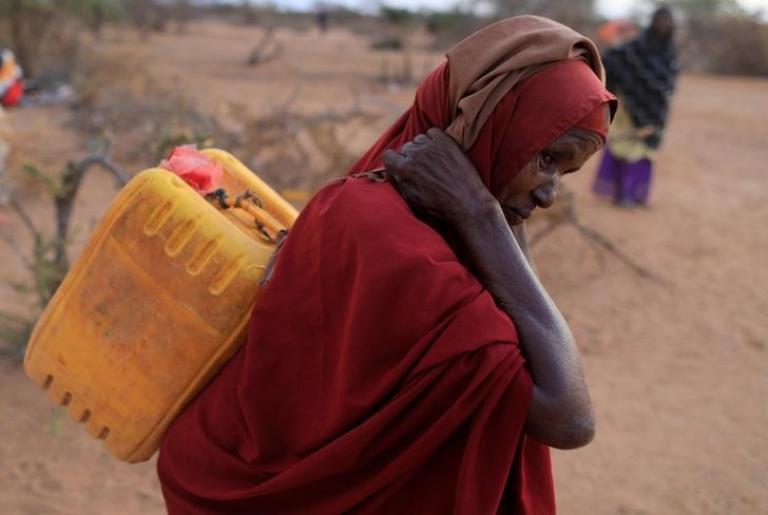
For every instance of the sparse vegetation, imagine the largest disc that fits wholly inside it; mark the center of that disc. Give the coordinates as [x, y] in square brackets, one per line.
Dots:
[720, 36]
[47, 261]
[45, 35]
[651, 350]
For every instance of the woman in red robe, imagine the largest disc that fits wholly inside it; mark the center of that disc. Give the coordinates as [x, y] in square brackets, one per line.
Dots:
[403, 357]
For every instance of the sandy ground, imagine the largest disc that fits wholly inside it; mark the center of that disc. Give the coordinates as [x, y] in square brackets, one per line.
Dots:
[677, 369]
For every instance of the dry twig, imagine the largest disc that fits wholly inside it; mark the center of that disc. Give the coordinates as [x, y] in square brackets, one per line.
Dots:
[567, 214]
[267, 49]
[63, 191]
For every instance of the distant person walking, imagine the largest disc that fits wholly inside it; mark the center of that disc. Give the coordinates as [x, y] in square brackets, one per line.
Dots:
[11, 81]
[321, 18]
[642, 73]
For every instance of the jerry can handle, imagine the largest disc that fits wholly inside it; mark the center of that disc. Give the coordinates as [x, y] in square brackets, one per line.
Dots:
[267, 227]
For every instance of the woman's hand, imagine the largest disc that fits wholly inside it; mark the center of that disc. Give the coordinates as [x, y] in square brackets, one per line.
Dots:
[435, 177]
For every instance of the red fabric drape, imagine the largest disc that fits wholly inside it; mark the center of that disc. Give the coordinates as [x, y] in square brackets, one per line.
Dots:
[379, 375]
[525, 121]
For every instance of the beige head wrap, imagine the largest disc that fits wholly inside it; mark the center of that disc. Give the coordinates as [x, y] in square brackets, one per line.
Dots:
[486, 65]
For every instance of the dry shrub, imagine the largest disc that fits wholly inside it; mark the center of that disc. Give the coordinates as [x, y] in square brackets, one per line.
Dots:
[297, 151]
[115, 76]
[742, 47]
[58, 52]
[49, 46]
[118, 96]
[727, 44]
[449, 27]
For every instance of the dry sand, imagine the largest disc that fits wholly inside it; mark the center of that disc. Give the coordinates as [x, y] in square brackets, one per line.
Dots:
[677, 370]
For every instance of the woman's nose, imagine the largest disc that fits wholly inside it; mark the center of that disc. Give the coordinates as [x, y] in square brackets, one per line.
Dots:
[545, 195]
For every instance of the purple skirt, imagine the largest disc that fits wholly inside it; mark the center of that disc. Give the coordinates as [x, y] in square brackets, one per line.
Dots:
[624, 182]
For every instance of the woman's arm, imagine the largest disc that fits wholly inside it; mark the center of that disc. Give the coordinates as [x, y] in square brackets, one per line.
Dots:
[521, 237]
[561, 412]
[435, 178]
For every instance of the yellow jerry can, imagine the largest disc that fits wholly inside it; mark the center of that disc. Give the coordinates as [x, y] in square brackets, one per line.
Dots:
[158, 301]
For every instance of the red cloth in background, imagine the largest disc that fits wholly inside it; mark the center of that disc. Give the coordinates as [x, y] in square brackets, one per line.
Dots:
[13, 94]
[379, 375]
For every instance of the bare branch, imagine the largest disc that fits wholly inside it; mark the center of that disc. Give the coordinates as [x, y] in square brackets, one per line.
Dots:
[540, 235]
[121, 175]
[266, 49]
[611, 247]
[14, 246]
[24, 217]
[568, 215]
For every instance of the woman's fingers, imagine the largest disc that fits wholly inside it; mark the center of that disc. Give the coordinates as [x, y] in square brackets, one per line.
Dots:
[416, 143]
[393, 161]
[394, 164]
[437, 134]
[434, 132]
[408, 148]
[444, 141]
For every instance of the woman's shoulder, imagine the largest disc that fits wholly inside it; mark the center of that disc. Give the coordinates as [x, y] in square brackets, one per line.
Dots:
[359, 199]
[357, 237]
[365, 210]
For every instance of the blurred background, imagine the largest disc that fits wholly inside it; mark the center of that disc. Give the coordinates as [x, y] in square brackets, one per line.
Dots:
[668, 301]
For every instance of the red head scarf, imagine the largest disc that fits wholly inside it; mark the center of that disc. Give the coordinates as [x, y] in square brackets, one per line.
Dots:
[379, 376]
[524, 122]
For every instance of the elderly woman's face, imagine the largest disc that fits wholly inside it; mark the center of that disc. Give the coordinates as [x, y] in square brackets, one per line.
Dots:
[536, 184]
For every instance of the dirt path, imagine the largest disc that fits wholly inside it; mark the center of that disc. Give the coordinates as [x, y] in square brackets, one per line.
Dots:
[677, 371]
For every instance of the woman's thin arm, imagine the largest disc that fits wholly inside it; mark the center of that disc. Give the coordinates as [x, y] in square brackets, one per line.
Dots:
[561, 412]
[521, 236]
[435, 177]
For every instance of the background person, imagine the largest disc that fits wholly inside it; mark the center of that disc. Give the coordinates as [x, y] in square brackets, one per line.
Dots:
[642, 73]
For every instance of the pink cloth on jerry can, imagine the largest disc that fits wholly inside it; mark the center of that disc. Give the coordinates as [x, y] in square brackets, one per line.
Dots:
[194, 167]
